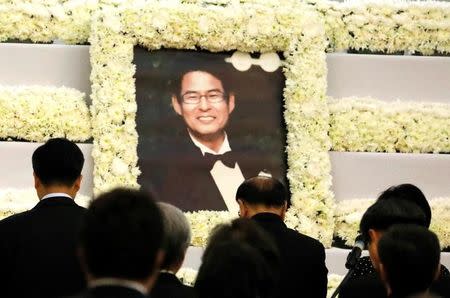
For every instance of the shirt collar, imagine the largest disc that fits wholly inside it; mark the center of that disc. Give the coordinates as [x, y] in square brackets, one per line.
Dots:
[224, 148]
[55, 194]
[112, 281]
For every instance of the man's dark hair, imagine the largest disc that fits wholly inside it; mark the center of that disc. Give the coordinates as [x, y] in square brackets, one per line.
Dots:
[241, 261]
[122, 234]
[385, 213]
[411, 193]
[58, 162]
[218, 69]
[267, 191]
[410, 257]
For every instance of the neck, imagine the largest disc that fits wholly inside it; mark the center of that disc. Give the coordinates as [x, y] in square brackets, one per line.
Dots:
[213, 141]
[263, 209]
[45, 190]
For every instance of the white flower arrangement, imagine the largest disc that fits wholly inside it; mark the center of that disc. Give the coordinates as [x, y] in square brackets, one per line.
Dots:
[187, 276]
[248, 28]
[370, 125]
[203, 222]
[333, 282]
[347, 216]
[388, 26]
[45, 21]
[15, 200]
[349, 212]
[38, 113]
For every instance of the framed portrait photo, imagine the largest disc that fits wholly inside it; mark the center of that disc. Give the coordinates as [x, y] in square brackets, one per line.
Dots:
[199, 135]
[167, 90]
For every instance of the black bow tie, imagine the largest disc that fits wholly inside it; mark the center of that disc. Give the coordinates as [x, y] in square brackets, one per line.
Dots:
[227, 159]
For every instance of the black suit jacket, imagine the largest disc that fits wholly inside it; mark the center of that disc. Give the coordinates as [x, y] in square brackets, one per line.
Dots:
[38, 250]
[169, 286]
[110, 292]
[365, 282]
[177, 171]
[304, 273]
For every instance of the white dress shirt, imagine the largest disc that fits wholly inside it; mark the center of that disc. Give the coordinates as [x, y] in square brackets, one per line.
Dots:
[56, 194]
[227, 179]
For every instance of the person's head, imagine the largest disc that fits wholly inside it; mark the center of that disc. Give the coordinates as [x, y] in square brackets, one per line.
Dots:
[202, 97]
[409, 259]
[262, 193]
[177, 232]
[410, 193]
[57, 166]
[122, 237]
[384, 214]
[240, 261]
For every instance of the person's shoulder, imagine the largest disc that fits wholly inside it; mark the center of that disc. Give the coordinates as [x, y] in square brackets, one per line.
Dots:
[305, 239]
[14, 219]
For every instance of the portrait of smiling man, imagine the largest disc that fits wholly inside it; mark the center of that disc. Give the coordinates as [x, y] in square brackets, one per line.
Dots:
[194, 154]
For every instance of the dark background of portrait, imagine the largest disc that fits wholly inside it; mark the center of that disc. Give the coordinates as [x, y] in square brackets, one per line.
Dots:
[257, 119]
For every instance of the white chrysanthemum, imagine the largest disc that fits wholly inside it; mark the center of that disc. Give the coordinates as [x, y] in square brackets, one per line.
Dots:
[38, 113]
[333, 282]
[367, 124]
[187, 276]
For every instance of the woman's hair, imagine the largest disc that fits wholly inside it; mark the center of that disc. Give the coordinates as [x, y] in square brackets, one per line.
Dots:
[385, 213]
[410, 193]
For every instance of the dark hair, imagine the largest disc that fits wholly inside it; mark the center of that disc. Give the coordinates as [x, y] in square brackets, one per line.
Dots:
[411, 193]
[215, 67]
[177, 234]
[410, 256]
[121, 234]
[240, 261]
[58, 161]
[263, 190]
[385, 213]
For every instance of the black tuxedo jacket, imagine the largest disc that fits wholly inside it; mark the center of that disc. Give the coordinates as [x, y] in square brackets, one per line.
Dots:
[169, 286]
[303, 273]
[365, 282]
[38, 250]
[180, 175]
[110, 292]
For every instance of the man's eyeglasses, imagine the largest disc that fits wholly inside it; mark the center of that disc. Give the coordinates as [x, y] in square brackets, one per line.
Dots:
[195, 97]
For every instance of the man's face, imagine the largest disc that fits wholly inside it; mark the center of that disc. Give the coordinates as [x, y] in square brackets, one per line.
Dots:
[205, 120]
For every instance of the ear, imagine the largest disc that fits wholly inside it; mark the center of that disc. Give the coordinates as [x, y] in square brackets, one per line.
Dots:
[77, 183]
[243, 210]
[176, 105]
[37, 181]
[159, 259]
[374, 235]
[231, 103]
[283, 210]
